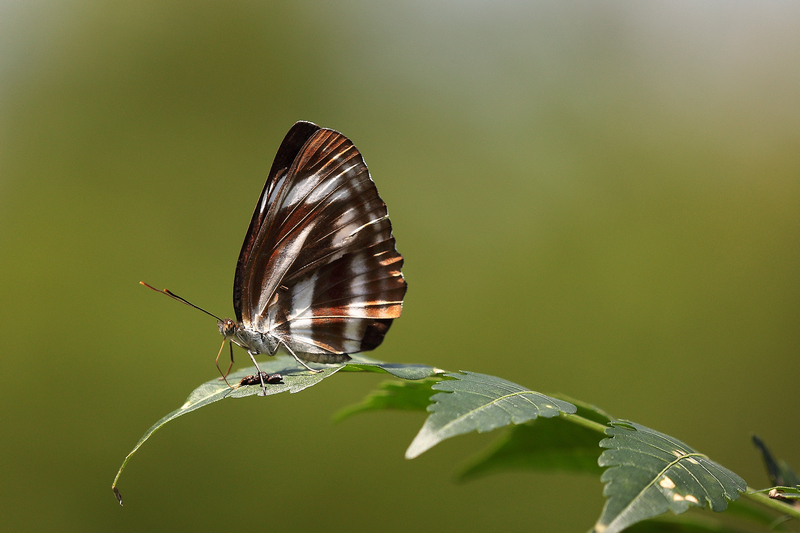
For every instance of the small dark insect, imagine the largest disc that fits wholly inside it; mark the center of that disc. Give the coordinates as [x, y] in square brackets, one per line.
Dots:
[272, 379]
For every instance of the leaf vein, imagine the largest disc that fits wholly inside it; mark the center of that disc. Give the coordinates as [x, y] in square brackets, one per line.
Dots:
[489, 404]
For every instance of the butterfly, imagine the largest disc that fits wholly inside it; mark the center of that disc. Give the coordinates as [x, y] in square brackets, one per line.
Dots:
[318, 275]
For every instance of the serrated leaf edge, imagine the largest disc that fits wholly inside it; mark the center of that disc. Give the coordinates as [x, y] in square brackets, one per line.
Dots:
[491, 403]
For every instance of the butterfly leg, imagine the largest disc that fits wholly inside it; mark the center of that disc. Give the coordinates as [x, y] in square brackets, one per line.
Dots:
[313, 371]
[216, 361]
[259, 372]
[230, 345]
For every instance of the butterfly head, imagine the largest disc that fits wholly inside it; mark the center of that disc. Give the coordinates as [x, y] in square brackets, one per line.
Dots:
[227, 327]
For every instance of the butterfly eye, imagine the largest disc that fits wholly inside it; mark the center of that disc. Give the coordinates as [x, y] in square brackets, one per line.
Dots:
[227, 327]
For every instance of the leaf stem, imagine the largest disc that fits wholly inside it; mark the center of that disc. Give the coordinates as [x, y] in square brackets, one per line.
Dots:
[775, 505]
[585, 422]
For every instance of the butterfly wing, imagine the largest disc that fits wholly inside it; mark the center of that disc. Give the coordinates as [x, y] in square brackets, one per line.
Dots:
[318, 268]
[245, 285]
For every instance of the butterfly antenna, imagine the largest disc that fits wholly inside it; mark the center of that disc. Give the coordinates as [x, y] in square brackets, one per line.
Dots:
[176, 297]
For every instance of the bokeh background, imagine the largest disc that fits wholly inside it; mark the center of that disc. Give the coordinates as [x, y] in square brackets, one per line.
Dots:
[599, 199]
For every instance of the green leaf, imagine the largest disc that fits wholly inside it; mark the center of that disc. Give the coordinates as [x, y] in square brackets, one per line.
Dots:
[361, 363]
[543, 445]
[295, 379]
[394, 395]
[478, 402]
[650, 472]
[779, 472]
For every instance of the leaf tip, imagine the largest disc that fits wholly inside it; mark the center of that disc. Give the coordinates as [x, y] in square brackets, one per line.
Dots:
[423, 442]
[414, 450]
[117, 494]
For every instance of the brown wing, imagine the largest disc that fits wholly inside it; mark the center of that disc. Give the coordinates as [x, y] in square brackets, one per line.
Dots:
[319, 267]
[292, 143]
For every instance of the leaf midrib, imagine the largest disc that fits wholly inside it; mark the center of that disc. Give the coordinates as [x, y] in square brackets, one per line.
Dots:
[661, 473]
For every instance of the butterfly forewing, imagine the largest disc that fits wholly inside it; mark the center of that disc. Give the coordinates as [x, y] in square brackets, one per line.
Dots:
[318, 268]
[294, 141]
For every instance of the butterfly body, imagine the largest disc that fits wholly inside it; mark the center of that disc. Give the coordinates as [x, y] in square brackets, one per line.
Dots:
[255, 342]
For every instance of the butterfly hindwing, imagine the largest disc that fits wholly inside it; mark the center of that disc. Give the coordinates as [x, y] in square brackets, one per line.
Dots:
[347, 306]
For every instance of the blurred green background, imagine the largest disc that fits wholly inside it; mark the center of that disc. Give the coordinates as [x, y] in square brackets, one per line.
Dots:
[599, 199]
